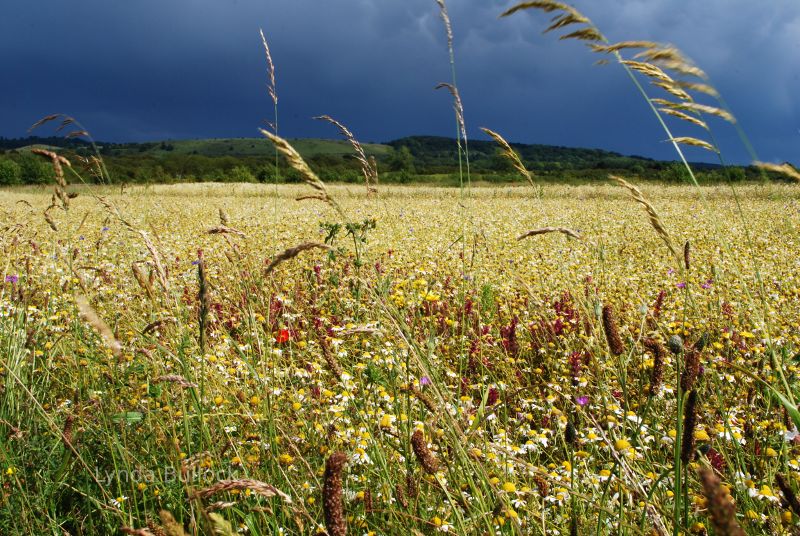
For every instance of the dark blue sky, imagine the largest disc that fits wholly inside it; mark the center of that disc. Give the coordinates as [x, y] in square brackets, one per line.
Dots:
[156, 69]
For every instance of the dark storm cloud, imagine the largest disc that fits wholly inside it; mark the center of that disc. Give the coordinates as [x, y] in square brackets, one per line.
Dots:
[150, 69]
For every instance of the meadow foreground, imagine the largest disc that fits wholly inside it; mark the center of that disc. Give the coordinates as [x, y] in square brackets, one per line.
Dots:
[160, 372]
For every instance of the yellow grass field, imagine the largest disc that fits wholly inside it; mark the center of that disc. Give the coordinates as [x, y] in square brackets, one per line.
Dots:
[475, 383]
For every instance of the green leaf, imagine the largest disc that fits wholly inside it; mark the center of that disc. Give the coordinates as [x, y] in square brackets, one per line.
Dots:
[128, 416]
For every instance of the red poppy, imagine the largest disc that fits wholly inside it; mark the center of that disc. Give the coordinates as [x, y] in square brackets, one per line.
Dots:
[283, 336]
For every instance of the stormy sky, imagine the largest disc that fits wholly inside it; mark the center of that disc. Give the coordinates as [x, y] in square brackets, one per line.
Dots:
[140, 70]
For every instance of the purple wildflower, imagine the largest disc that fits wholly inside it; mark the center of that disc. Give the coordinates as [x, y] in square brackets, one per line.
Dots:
[582, 400]
[12, 278]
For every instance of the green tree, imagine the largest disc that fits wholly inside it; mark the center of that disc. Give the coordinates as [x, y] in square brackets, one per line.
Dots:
[735, 173]
[240, 174]
[401, 160]
[10, 172]
[34, 170]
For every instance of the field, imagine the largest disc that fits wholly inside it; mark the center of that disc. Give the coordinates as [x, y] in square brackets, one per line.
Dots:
[158, 366]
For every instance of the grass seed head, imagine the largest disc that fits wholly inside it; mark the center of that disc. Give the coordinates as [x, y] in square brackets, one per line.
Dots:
[612, 331]
[720, 505]
[332, 501]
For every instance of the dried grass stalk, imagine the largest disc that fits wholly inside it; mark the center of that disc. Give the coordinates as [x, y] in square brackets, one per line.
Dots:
[156, 529]
[361, 330]
[447, 25]
[564, 20]
[291, 253]
[328, 355]
[136, 532]
[511, 154]
[255, 486]
[697, 107]
[332, 502]
[548, 6]
[648, 69]
[662, 53]
[160, 270]
[368, 167]
[545, 230]
[308, 176]
[673, 89]
[784, 169]
[49, 219]
[142, 279]
[457, 106]
[171, 526]
[569, 16]
[720, 505]
[584, 34]
[669, 57]
[223, 229]
[686, 140]
[684, 116]
[699, 87]
[61, 183]
[43, 120]
[270, 69]
[94, 320]
[176, 379]
[655, 220]
[616, 47]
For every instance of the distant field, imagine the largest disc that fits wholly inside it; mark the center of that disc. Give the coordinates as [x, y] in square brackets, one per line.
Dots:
[530, 379]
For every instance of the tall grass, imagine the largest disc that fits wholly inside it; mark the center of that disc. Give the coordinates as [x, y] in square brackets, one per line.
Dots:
[179, 369]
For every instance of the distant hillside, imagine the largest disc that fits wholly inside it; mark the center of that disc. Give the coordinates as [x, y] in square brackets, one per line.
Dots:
[426, 159]
[217, 147]
[431, 152]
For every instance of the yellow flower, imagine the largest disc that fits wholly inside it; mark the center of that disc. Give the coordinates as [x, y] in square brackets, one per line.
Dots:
[622, 444]
[701, 435]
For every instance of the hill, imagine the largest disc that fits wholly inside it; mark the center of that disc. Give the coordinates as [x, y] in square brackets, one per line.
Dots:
[426, 159]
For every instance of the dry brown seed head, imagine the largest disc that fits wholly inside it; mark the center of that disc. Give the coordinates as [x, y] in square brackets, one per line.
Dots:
[332, 501]
[424, 455]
